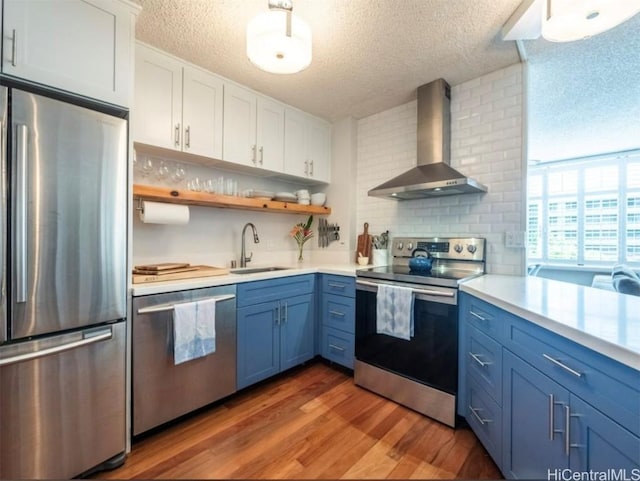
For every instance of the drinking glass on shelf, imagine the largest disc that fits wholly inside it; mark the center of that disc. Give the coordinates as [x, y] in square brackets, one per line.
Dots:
[209, 186]
[162, 172]
[194, 184]
[146, 166]
[178, 175]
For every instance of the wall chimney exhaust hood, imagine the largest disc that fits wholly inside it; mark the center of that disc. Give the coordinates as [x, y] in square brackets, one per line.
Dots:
[432, 177]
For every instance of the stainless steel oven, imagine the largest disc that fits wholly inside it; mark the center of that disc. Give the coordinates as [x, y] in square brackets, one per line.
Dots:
[421, 372]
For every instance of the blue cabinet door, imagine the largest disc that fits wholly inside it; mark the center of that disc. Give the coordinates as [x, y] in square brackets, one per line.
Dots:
[533, 421]
[296, 331]
[258, 342]
[596, 443]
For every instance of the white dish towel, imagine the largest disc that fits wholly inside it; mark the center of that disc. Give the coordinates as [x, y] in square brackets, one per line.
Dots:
[394, 311]
[194, 330]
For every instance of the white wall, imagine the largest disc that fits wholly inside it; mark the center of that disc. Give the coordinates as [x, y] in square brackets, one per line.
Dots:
[486, 144]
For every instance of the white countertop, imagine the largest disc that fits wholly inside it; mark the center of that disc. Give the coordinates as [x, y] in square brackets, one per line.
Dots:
[604, 321]
[145, 289]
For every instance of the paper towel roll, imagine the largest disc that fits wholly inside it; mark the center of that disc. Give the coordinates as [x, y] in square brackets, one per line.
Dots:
[159, 213]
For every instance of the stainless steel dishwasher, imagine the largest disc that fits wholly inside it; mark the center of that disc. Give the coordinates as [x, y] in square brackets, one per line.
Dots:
[163, 391]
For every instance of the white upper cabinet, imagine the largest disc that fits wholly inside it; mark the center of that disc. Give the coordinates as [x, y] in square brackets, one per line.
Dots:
[253, 129]
[307, 151]
[80, 46]
[176, 107]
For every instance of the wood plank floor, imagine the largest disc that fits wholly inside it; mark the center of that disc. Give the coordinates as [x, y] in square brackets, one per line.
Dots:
[313, 423]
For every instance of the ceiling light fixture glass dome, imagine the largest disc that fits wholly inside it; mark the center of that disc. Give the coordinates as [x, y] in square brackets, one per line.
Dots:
[568, 20]
[277, 41]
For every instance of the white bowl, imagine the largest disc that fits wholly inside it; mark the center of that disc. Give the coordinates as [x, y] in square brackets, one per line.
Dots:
[319, 198]
[363, 261]
[303, 201]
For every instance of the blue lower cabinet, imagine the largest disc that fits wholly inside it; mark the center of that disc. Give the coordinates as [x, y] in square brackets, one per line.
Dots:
[595, 443]
[258, 343]
[338, 346]
[533, 422]
[338, 319]
[296, 331]
[274, 336]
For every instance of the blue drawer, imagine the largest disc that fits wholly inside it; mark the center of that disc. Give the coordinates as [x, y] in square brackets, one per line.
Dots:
[339, 312]
[610, 387]
[484, 362]
[340, 285]
[338, 346]
[483, 316]
[257, 292]
[485, 418]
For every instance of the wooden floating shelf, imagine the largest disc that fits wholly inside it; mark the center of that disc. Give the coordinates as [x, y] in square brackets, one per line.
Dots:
[179, 196]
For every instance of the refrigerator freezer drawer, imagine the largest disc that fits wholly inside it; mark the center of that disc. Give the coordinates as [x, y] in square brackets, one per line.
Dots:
[163, 391]
[66, 411]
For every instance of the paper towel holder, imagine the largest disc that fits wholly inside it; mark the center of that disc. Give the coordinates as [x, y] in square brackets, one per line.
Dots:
[140, 205]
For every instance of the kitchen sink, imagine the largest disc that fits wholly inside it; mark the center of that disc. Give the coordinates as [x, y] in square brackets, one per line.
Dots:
[255, 270]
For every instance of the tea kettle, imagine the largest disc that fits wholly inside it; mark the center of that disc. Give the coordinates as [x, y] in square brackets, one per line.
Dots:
[421, 260]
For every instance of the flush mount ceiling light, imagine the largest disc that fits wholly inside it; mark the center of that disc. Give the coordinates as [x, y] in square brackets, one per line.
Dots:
[278, 41]
[568, 20]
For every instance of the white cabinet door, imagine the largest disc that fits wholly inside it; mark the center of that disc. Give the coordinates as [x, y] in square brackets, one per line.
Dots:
[295, 143]
[319, 149]
[157, 114]
[270, 134]
[239, 132]
[202, 113]
[81, 46]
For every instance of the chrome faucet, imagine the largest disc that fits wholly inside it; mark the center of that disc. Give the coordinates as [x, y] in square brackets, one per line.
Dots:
[256, 240]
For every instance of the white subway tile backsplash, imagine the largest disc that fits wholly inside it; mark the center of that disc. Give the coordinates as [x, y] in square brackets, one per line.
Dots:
[486, 143]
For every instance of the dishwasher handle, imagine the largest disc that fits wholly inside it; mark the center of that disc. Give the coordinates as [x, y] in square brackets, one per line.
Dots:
[170, 307]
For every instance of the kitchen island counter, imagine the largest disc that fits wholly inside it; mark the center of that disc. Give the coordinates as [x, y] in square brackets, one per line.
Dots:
[604, 321]
[345, 269]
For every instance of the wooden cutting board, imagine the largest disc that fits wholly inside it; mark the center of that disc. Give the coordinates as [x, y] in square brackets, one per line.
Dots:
[364, 243]
[164, 272]
[200, 271]
[163, 266]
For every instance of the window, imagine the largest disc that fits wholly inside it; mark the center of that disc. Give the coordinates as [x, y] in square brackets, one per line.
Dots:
[585, 211]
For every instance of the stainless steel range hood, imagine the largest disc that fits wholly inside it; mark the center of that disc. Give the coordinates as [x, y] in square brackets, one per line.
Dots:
[432, 177]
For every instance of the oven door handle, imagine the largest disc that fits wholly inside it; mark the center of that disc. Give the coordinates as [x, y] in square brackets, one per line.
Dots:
[415, 291]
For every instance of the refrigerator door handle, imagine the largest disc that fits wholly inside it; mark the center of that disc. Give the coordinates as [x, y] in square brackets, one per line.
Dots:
[21, 213]
[94, 337]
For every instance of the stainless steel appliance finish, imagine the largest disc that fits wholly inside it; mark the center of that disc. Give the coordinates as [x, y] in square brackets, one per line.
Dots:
[433, 177]
[62, 337]
[420, 373]
[69, 216]
[63, 403]
[163, 391]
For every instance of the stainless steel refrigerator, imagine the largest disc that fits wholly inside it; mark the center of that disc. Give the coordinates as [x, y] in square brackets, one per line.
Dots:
[63, 311]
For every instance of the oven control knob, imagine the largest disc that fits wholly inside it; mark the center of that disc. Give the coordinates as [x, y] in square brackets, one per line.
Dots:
[471, 248]
[457, 248]
[410, 246]
[399, 245]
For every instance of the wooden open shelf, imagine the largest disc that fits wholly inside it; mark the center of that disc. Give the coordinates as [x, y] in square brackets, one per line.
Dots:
[180, 196]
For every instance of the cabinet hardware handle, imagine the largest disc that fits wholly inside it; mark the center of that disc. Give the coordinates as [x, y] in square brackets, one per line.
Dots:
[176, 135]
[478, 360]
[552, 423]
[567, 430]
[187, 137]
[563, 366]
[336, 313]
[21, 212]
[253, 154]
[261, 154]
[14, 49]
[477, 316]
[337, 285]
[337, 348]
[276, 313]
[311, 169]
[482, 421]
[285, 313]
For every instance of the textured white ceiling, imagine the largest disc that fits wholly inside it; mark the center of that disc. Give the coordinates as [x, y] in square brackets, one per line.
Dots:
[368, 55]
[584, 96]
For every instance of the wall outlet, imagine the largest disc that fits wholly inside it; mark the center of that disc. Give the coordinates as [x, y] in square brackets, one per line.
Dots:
[515, 239]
